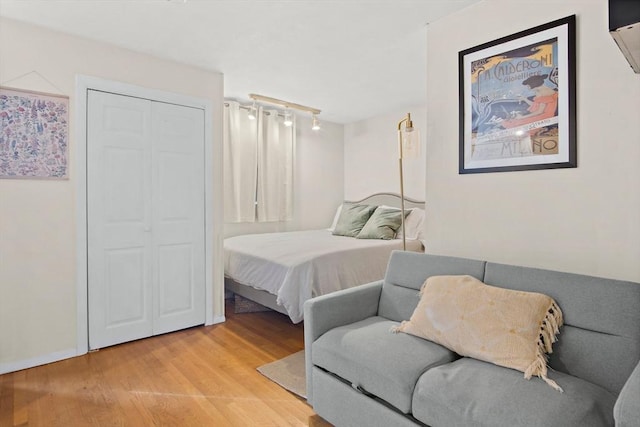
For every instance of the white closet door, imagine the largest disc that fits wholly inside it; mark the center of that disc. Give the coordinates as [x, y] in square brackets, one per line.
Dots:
[145, 198]
[178, 216]
[119, 218]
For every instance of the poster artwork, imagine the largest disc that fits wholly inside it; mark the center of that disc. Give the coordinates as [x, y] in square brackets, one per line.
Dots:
[34, 134]
[514, 99]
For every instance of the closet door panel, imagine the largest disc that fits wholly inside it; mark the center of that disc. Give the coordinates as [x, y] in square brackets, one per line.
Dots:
[119, 212]
[175, 279]
[125, 287]
[178, 216]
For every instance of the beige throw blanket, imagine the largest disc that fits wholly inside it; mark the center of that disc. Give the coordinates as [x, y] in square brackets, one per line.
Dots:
[510, 328]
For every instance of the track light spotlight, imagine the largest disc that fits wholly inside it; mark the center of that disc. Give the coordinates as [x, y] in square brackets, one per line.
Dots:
[253, 111]
[315, 124]
[288, 120]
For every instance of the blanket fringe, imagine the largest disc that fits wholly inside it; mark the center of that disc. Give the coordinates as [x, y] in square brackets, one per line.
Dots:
[396, 329]
[549, 329]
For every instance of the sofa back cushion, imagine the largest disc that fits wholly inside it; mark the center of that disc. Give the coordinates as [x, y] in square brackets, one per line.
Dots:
[407, 271]
[600, 339]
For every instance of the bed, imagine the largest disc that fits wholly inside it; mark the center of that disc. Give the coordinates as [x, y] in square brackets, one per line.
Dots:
[282, 270]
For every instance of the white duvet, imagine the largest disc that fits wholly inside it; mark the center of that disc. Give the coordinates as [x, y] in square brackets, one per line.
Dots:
[297, 265]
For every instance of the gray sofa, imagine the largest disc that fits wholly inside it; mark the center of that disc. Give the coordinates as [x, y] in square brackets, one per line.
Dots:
[361, 374]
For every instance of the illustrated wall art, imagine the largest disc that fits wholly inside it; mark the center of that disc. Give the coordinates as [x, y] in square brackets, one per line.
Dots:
[34, 134]
[517, 101]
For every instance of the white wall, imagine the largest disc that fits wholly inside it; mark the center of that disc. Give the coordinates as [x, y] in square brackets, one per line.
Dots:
[318, 181]
[319, 185]
[371, 156]
[584, 220]
[37, 217]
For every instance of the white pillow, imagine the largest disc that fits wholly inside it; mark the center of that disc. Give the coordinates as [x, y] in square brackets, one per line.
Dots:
[335, 218]
[413, 223]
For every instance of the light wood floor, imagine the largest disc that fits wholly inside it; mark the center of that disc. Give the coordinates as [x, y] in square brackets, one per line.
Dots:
[204, 376]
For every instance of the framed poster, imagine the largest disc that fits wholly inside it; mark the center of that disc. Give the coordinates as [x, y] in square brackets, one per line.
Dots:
[34, 134]
[517, 101]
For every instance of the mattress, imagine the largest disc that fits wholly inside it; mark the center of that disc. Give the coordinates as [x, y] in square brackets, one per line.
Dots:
[295, 266]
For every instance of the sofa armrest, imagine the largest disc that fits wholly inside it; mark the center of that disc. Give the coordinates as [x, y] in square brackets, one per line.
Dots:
[626, 412]
[326, 312]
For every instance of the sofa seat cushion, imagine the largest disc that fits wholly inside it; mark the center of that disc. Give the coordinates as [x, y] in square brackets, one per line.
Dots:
[381, 363]
[469, 392]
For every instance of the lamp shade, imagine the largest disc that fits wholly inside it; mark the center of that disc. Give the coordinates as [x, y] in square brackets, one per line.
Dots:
[410, 143]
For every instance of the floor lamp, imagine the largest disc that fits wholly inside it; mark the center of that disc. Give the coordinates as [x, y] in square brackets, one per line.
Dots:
[408, 146]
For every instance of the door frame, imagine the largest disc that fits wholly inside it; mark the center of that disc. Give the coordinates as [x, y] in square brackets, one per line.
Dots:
[83, 84]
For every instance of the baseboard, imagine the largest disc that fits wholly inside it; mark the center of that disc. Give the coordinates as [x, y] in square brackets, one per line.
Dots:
[5, 368]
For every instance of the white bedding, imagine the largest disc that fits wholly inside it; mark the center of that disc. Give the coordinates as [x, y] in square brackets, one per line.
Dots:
[297, 265]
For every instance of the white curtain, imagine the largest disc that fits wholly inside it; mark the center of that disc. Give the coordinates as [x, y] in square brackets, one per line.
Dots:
[275, 168]
[258, 166]
[240, 164]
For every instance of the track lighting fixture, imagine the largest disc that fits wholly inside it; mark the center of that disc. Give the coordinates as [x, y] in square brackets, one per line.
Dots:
[288, 115]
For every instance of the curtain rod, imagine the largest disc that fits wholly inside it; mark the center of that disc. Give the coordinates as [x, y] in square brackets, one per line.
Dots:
[285, 104]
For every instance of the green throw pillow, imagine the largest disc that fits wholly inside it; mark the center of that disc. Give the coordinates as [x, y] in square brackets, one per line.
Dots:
[352, 218]
[383, 224]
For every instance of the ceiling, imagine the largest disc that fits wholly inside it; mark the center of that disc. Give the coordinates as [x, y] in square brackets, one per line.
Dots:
[352, 59]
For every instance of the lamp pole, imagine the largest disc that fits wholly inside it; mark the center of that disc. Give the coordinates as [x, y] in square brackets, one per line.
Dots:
[408, 127]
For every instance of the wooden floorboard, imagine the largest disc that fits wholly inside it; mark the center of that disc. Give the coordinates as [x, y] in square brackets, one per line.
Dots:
[203, 376]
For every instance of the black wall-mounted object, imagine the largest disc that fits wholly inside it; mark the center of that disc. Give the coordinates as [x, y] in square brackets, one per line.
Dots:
[624, 27]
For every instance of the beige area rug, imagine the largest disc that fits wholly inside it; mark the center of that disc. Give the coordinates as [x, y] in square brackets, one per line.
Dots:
[288, 373]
